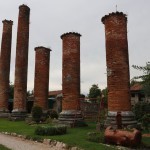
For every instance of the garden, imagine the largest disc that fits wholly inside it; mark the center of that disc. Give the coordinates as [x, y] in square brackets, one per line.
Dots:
[86, 137]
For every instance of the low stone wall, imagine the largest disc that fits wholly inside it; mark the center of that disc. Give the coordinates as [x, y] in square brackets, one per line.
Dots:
[90, 110]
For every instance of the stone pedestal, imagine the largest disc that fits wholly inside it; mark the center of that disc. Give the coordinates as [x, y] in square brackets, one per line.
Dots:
[18, 115]
[4, 114]
[70, 117]
[128, 119]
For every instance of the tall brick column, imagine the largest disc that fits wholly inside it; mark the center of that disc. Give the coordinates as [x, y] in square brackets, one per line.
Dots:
[21, 67]
[118, 78]
[41, 80]
[71, 77]
[5, 65]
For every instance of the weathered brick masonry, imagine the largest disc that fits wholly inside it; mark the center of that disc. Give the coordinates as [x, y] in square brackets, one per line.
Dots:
[21, 67]
[117, 62]
[71, 79]
[118, 78]
[71, 71]
[41, 81]
[5, 64]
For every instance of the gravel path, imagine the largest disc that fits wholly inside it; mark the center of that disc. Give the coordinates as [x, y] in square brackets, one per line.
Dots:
[16, 143]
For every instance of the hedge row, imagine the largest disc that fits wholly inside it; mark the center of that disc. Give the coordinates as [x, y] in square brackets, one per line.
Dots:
[51, 130]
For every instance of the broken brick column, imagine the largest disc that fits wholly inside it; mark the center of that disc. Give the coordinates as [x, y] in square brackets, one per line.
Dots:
[118, 76]
[21, 67]
[41, 80]
[71, 77]
[5, 65]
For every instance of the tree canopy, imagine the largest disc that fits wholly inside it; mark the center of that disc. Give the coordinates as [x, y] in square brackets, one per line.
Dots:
[11, 90]
[145, 78]
[94, 91]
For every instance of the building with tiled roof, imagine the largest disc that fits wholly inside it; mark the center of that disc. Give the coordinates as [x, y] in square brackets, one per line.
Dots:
[137, 94]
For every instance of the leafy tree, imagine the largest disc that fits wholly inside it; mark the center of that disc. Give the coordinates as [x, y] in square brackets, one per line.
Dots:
[29, 93]
[105, 93]
[105, 96]
[145, 78]
[94, 91]
[142, 113]
[82, 96]
[11, 90]
[133, 82]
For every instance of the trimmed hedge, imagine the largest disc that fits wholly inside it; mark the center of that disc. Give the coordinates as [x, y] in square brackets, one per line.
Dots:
[97, 137]
[51, 130]
[52, 114]
[37, 113]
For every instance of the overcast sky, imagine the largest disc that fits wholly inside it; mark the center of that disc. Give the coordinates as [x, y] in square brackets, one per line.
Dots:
[49, 19]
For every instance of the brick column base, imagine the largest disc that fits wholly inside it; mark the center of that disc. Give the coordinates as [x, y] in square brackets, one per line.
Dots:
[4, 114]
[127, 117]
[18, 115]
[70, 117]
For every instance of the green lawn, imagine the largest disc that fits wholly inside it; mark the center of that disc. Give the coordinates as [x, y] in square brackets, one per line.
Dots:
[3, 147]
[74, 136]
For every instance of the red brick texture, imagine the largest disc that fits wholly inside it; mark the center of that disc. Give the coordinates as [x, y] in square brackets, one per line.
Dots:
[5, 63]
[117, 62]
[41, 81]
[71, 71]
[21, 67]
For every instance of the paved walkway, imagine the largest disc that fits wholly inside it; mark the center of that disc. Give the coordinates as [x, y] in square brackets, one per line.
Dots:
[16, 143]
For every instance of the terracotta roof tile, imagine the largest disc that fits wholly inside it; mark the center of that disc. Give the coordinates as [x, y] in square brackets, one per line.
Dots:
[136, 87]
[52, 93]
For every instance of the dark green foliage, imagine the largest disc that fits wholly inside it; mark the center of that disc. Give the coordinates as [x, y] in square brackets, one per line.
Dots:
[34, 138]
[145, 78]
[79, 123]
[37, 113]
[82, 96]
[2, 147]
[105, 97]
[52, 114]
[75, 136]
[37, 138]
[51, 130]
[94, 91]
[97, 137]
[145, 120]
[11, 91]
[140, 109]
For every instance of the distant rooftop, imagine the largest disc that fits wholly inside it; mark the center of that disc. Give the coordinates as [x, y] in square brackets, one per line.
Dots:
[136, 87]
[55, 93]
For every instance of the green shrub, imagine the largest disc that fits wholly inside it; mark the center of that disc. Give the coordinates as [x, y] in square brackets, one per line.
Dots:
[34, 138]
[2, 147]
[97, 137]
[140, 109]
[37, 138]
[48, 121]
[80, 123]
[145, 120]
[51, 130]
[52, 114]
[37, 113]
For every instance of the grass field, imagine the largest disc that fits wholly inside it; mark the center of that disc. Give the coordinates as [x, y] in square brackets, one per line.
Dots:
[3, 147]
[74, 137]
